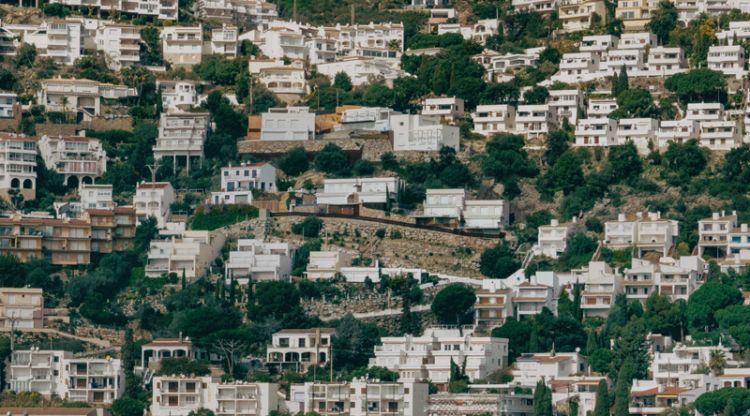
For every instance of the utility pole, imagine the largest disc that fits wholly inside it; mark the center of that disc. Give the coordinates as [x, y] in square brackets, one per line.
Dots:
[252, 99]
[294, 11]
[153, 168]
[351, 14]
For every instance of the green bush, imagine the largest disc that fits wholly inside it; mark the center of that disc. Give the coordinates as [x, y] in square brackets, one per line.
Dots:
[221, 216]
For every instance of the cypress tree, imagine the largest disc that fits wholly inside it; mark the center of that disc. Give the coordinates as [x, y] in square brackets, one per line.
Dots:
[601, 407]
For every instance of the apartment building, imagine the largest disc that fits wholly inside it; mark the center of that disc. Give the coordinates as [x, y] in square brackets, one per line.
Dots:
[257, 12]
[57, 40]
[120, 43]
[578, 66]
[153, 199]
[79, 159]
[566, 104]
[8, 102]
[675, 278]
[544, 7]
[283, 42]
[599, 107]
[360, 398]
[224, 41]
[79, 95]
[300, 349]
[374, 192]
[635, 14]
[666, 61]
[291, 123]
[714, 234]
[443, 205]
[448, 108]
[637, 40]
[162, 9]
[239, 182]
[112, 229]
[531, 368]
[578, 15]
[58, 373]
[182, 46]
[484, 399]
[723, 135]
[477, 32]
[600, 287]
[532, 296]
[61, 241]
[18, 161]
[181, 138]
[639, 131]
[21, 308]
[729, 60]
[326, 264]
[430, 355]
[485, 214]
[177, 95]
[366, 118]
[501, 68]
[412, 132]
[534, 120]
[552, 239]
[178, 395]
[633, 60]
[493, 306]
[190, 254]
[676, 131]
[257, 260]
[590, 132]
[362, 70]
[598, 43]
[645, 233]
[493, 119]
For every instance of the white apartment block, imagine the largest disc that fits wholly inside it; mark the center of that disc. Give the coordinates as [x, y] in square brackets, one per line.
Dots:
[600, 107]
[578, 15]
[681, 367]
[705, 112]
[601, 285]
[79, 159]
[178, 395]
[8, 102]
[637, 40]
[360, 398]
[596, 132]
[449, 108]
[326, 264]
[676, 131]
[714, 234]
[645, 233]
[578, 66]
[239, 182]
[675, 278]
[640, 131]
[720, 135]
[257, 11]
[362, 70]
[635, 14]
[552, 239]
[540, 6]
[429, 356]
[531, 297]
[79, 95]
[535, 120]
[162, 9]
[366, 118]
[413, 132]
[181, 137]
[633, 60]
[483, 399]
[291, 123]
[58, 40]
[300, 349]
[493, 306]
[485, 214]
[182, 45]
[189, 254]
[598, 43]
[450, 207]
[492, 119]
[286, 79]
[664, 61]
[257, 260]
[501, 68]
[477, 32]
[367, 191]
[120, 43]
[531, 368]
[153, 199]
[444, 203]
[737, 29]
[224, 41]
[58, 373]
[279, 42]
[18, 162]
[96, 196]
[729, 60]
[177, 95]
[566, 104]
[21, 308]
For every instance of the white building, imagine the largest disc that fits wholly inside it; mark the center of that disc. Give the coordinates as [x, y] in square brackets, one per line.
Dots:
[177, 95]
[189, 254]
[485, 214]
[238, 182]
[502, 67]
[714, 234]
[79, 159]
[566, 104]
[444, 203]
[449, 108]
[552, 239]
[182, 45]
[534, 120]
[413, 132]
[153, 199]
[257, 260]
[8, 102]
[578, 15]
[18, 160]
[366, 118]
[531, 297]
[600, 107]
[531, 368]
[633, 60]
[492, 119]
[637, 40]
[181, 138]
[539, 6]
[477, 32]
[676, 279]
[645, 233]
[120, 43]
[162, 10]
[224, 41]
[58, 373]
[701, 112]
[596, 132]
[285, 79]
[291, 123]
[360, 398]
[367, 191]
[178, 395]
[300, 349]
[664, 61]
[257, 12]
[96, 196]
[676, 131]
[429, 356]
[721, 135]
[326, 264]
[362, 70]
[59, 40]
[578, 67]
[729, 60]
[79, 95]
[598, 43]
[681, 366]
[601, 285]
[640, 131]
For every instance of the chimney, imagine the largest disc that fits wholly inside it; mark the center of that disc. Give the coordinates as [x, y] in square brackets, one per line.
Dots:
[638, 215]
[554, 222]
[715, 215]
[621, 217]
[723, 213]
[743, 228]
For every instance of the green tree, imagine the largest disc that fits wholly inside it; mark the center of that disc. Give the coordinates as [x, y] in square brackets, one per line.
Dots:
[663, 21]
[452, 304]
[201, 412]
[698, 85]
[635, 103]
[25, 56]
[557, 145]
[342, 82]
[295, 162]
[712, 296]
[620, 82]
[623, 163]
[517, 333]
[536, 95]
[332, 160]
[310, 227]
[601, 407]
[715, 402]
[542, 399]
[622, 389]
[498, 262]
[354, 343]
[683, 161]
[127, 406]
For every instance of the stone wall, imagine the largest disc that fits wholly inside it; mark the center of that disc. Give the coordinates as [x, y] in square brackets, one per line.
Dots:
[357, 148]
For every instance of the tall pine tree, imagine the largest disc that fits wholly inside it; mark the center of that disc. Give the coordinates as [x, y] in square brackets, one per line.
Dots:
[601, 407]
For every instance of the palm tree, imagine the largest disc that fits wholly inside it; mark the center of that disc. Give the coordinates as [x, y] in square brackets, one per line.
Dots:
[717, 361]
